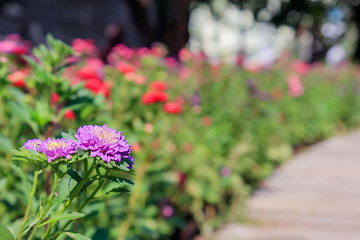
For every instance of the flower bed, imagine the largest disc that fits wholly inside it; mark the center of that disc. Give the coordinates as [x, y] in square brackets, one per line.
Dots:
[203, 135]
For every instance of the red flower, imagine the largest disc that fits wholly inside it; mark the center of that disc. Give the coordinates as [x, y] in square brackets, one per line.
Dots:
[98, 87]
[17, 79]
[182, 177]
[172, 108]
[124, 67]
[54, 98]
[158, 86]
[69, 115]
[153, 97]
[87, 73]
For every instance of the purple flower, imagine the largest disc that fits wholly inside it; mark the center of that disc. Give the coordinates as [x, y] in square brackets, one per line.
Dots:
[33, 144]
[225, 171]
[167, 211]
[104, 142]
[57, 148]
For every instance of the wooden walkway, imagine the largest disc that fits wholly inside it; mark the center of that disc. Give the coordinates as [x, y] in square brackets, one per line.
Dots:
[315, 196]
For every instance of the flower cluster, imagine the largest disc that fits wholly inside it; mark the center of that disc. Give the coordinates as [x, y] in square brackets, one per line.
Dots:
[13, 44]
[100, 141]
[103, 142]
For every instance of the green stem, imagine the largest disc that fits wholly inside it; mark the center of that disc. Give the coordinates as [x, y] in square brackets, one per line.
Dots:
[51, 198]
[72, 196]
[36, 173]
[101, 184]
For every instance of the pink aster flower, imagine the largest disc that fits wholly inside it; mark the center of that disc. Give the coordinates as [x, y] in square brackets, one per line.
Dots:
[33, 144]
[58, 148]
[103, 142]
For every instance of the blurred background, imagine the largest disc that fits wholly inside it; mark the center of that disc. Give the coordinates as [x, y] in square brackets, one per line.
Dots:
[260, 30]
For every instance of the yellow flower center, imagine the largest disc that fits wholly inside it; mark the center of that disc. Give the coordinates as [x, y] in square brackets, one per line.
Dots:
[56, 144]
[105, 135]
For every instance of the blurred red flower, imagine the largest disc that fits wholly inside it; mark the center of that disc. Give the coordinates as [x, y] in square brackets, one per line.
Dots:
[136, 147]
[69, 115]
[124, 67]
[172, 108]
[154, 97]
[158, 86]
[17, 79]
[54, 99]
[182, 177]
[98, 87]
[87, 73]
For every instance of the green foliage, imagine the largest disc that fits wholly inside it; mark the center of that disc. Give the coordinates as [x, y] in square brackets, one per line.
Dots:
[5, 234]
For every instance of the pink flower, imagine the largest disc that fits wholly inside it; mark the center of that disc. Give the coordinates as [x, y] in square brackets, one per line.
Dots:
[170, 62]
[139, 79]
[300, 67]
[184, 73]
[84, 46]
[123, 51]
[167, 211]
[143, 51]
[12, 44]
[295, 87]
[158, 50]
[184, 54]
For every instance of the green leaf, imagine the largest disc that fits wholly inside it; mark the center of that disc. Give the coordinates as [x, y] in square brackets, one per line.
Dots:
[74, 175]
[63, 168]
[64, 216]
[68, 136]
[119, 180]
[119, 190]
[75, 236]
[5, 234]
[21, 175]
[123, 168]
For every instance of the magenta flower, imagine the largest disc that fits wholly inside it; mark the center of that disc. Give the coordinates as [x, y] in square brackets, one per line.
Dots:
[104, 142]
[295, 87]
[167, 211]
[33, 144]
[58, 148]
